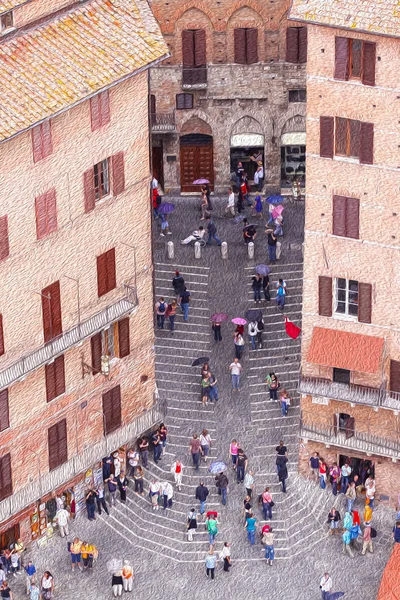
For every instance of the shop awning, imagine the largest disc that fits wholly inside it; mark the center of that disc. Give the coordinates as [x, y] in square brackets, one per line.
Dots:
[247, 140]
[296, 138]
[344, 350]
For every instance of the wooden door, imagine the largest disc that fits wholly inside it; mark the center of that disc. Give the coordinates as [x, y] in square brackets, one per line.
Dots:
[157, 166]
[196, 163]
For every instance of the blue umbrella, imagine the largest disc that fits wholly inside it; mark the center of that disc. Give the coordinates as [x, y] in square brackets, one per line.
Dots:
[217, 466]
[238, 219]
[166, 208]
[263, 270]
[275, 199]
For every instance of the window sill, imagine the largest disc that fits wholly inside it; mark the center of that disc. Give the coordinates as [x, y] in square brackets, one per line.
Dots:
[341, 317]
[8, 31]
[347, 159]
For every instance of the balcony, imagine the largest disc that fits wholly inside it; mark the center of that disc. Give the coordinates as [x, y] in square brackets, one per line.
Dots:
[70, 338]
[163, 122]
[356, 394]
[194, 78]
[351, 439]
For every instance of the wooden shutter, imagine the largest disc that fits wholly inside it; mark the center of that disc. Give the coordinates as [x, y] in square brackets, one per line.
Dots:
[55, 378]
[239, 42]
[302, 44]
[57, 440]
[4, 242]
[111, 271]
[187, 48]
[251, 46]
[367, 144]
[6, 489]
[36, 136]
[46, 138]
[51, 310]
[341, 58]
[2, 349]
[341, 136]
[123, 337]
[394, 376]
[51, 210]
[339, 216]
[200, 56]
[335, 423]
[118, 173]
[4, 411]
[369, 62]
[50, 378]
[353, 218]
[112, 409]
[46, 213]
[88, 189]
[96, 348]
[364, 302]
[325, 296]
[102, 275]
[105, 107]
[349, 427]
[152, 104]
[95, 116]
[292, 44]
[355, 133]
[326, 128]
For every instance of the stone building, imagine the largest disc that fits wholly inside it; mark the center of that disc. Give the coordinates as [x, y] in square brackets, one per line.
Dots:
[233, 88]
[76, 329]
[350, 379]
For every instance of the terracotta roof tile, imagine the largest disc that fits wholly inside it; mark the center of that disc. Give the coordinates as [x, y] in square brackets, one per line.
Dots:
[50, 68]
[373, 16]
[344, 350]
[6, 5]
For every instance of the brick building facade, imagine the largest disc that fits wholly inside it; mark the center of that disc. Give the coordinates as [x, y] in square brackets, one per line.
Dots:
[232, 88]
[350, 380]
[76, 329]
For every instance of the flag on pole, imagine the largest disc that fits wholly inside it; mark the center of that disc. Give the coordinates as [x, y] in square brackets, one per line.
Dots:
[291, 329]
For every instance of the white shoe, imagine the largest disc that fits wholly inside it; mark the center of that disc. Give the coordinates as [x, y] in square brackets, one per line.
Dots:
[162, 234]
[169, 233]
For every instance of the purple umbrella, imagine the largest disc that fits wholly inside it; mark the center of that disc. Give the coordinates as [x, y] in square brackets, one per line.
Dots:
[263, 270]
[275, 199]
[239, 321]
[166, 208]
[219, 317]
[200, 181]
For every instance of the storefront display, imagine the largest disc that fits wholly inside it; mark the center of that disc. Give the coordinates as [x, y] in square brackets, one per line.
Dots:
[293, 158]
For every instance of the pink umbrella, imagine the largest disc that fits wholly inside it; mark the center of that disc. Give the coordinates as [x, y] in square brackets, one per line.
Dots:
[239, 321]
[200, 181]
[277, 211]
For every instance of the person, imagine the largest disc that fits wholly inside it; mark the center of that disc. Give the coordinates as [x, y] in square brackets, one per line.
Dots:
[118, 461]
[396, 533]
[268, 541]
[314, 465]
[244, 188]
[75, 550]
[177, 471]
[91, 504]
[367, 539]
[184, 300]
[213, 388]
[30, 571]
[178, 283]
[133, 461]
[34, 592]
[239, 173]
[127, 576]
[14, 563]
[195, 450]
[239, 329]
[171, 314]
[226, 556]
[154, 492]
[259, 176]
[247, 507]
[333, 520]
[205, 388]
[256, 286]
[325, 585]
[144, 451]
[282, 471]
[211, 561]
[201, 495]
[216, 327]
[285, 402]
[195, 236]
[249, 483]
[47, 585]
[164, 226]
[249, 232]
[281, 449]
[273, 385]
[235, 368]
[322, 473]
[239, 345]
[157, 445]
[205, 441]
[87, 553]
[122, 486]
[168, 492]
[265, 286]
[191, 523]
[230, 207]
[221, 481]
[251, 528]
[346, 537]
[161, 307]
[252, 331]
[212, 232]
[100, 500]
[204, 206]
[139, 479]
[367, 511]
[205, 188]
[267, 504]
[62, 516]
[351, 496]
[233, 451]
[345, 474]
[5, 591]
[212, 528]
[258, 207]
[239, 206]
[19, 549]
[117, 583]
[163, 432]
[260, 329]
[370, 493]
[112, 488]
[280, 293]
[272, 239]
[156, 203]
[241, 466]
[334, 472]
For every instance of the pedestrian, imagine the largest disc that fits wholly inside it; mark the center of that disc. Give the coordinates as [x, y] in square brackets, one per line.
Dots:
[204, 206]
[235, 368]
[325, 585]
[191, 524]
[278, 231]
[211, 561]
[171, 314]
[195, 450]
[177, 471]
[396, 533]
[100, 500]
[273, 385]
[322, 473]
[260, 329]
[196, 236]
[345, 472]
[19, 549]
[367, 511]
[205, 388]
[370, 493]
[258, 207]
[201, 495]
[239, 206]
[205, 441]
[259, 176]
[221, 481]
[333, 520]
[241, 466]
[249, 483]
[3, 576]
[144, 451]
[90, 500]
[268, 541]
[249, 232]
[122, 486]
[30, 571]
[212, 232]
[267, 504]
[112, 488]
[351, 496]
[163, 432]
[280, 293]
[285, 402]
[239, 345]
[230, 207]
[252, 331]
[272, 239]
[282, 471]
[118, 461]
[265, 287]
[367, 539]
[133, 461]
[178, 283]
[139, 480]
[247, 506]
[233, 451]
[127, 576]
[256, 285]
[184, 300]
[14, 564]
[239, 173]
[88, 553]
[212, 528]
[157, 445]
[314, 466]
[213, 390]
[334, 473]
[346, 537]
[161, 307]
[226, 556]
[75, 550]
[281, 449]
[205, 188]
[154, 492]
[164, 226]
[251, 528]
[167, 492]
[5, 591]
[34, 592]
[216, 327]
[117, 583]
[62, 517]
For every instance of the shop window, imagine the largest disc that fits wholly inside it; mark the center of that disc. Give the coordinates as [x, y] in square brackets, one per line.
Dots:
[346, 297]
[297, 96]
[293, 163]
[106, 272]
[341, 376]
[6, 21]
[101, 179]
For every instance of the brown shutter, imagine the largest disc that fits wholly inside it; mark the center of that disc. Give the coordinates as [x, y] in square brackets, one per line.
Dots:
[239, 41]
[62, 442]
[200, 55]
[2, 349]
[353, 218]
[4, 411]
[367, 144]
[50, 377]
[41, 221]
[96, 348]
[325, 296]
[112, 409]
[341, 136]
[341, 58]
[51, 209]
[339, 216]
[326, 128]
[369, 62]
[51, 310]
[394, 376]
[292, 44]
[187, 48]
[111, 271]
[102, 275]
[6, 488]
[57, 440]
[46, 138]
[302, 44]
[355, 134]
[95, 116]
[88, 189]
[59, 367]
[364, 302]
[105, 115]
[123, 337]
[251, 46]
[118, 173]
[4, 242]
[36, 135]
[350, 427]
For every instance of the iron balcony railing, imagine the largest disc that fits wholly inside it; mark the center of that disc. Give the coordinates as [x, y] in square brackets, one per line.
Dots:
[357, 394]
[69, 338]
[163, 122]
[194, 77]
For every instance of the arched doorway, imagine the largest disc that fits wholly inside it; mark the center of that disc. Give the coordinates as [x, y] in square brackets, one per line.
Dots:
[247, 145]
[293, 151]
[196, 154]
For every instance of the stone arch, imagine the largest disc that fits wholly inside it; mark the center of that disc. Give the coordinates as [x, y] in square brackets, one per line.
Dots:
[202, 7]
[240, 15]
[257, 8]
[247, 124]
[200, 114]
[293, 114]
[195, 125]
[296, 123]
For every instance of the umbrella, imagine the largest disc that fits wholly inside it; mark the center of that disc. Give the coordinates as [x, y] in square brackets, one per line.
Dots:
[166, 208]
[291, 329]
[114, 565]
[239, 321]
[263, 270]
[200, 360]
[219, 317]
[275, 199]
[253, 315]
[278, 210]
[238, 219]
[200, 181]
[333, 595]
[217, 466]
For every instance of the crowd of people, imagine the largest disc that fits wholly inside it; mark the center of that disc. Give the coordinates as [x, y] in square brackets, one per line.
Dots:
[13, 564]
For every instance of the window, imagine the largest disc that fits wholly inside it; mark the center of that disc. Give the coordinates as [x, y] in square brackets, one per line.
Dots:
[57, 440]
[55, 378]
[96, 180]
[51, 311]
[342, 422]
[346, 217]
[7, 21]
[4, 411]
[101, 179]
[245, 45]
[341, 376]
[297, 96]
[184, 101]
[2, 349]
[296, 45]
[352, 299]
[112, 409]
[394, 376]
[106, 272]
[346, 297]
[113, 342]
[6, 489]
[100, 110]
[4, 242]
[41, 141]
[355, 59]
[347, 137]
[46, 214]
[194, 59]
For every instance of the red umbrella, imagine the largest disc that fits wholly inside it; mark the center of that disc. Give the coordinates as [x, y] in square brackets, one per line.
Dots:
[291, 329]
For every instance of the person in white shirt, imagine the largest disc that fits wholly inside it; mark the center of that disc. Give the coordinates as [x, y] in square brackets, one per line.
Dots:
[176, 469]
[195, 236]
[62, 516]
[230, 207]
[168, 492]
[154, 184]
[226, 556]
[325, 585]
[259, 177]
[252, 331]
[117, 464]
[235, 369]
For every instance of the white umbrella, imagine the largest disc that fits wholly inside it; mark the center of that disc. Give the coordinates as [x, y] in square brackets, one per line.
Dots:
[114, 565]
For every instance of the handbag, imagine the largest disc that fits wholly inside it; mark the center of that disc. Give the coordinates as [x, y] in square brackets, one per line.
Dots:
[272, 504]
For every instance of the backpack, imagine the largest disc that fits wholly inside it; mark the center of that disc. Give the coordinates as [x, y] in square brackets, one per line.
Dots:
[158, 200]
[161, 308]
[260, 325]
[373, 532]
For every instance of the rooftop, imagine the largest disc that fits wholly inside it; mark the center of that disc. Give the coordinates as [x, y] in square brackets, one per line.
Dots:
[48, 69]
[6, 5]
[372, 16]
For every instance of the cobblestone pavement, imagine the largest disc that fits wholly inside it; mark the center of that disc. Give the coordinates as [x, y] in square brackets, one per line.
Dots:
[167, 565]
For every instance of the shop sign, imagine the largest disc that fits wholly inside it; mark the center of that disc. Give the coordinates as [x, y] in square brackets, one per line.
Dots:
[320, 400]
[294, 139]
[247, 140]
